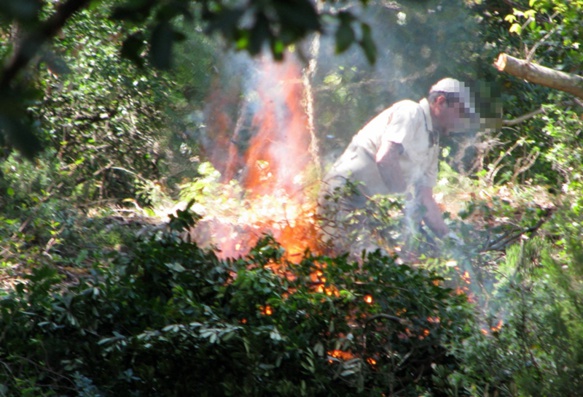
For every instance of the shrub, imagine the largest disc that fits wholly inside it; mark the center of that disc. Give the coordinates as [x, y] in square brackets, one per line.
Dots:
[171, 319]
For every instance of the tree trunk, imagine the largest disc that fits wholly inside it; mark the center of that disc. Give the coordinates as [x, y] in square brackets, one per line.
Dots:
[571, 83]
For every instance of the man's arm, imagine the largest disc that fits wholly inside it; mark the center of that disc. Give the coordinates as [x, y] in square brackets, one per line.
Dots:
[387, 160]
[432, 217]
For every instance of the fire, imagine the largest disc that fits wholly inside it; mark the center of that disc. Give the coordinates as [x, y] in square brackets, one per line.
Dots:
[497, 327]
[320, 284]
[282, 139]
[266, 310]
[493, 329]
[368, 299]
[268, 152]
[340, 355]
[371, 361]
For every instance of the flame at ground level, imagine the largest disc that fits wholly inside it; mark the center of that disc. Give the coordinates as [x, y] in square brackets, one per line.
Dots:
[233, 230]
[264, 142]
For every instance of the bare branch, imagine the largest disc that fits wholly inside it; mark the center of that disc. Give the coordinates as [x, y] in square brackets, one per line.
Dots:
[543, 39]
[518, 120]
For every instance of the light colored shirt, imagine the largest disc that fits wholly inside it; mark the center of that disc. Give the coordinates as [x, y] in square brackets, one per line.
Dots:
[407, 123]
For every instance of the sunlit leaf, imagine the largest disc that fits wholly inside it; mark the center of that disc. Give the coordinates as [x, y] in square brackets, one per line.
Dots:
[515, 28]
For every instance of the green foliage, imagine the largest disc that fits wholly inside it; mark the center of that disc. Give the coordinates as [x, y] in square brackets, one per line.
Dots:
[104, 123]
[564, 128]
[92, 304]
[414, 49]
[169, 318]
[539, 345]
[150, 30]
[116, 131]
[547, 33]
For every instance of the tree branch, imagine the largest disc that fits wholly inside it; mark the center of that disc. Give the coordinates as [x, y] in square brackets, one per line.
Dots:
[537, 74]
[524, 117]
[518, 120]
[33, 41]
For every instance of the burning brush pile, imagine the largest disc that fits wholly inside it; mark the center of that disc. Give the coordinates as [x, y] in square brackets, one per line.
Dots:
[234, 219]
[263, 168]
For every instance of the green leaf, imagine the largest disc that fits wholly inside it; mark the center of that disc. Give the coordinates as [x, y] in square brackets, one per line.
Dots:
[21, 10]
[161, 43]
[277, 48]
[259, 34]
[133, 47]
[367, 44]
[344, 36]
[515, 28]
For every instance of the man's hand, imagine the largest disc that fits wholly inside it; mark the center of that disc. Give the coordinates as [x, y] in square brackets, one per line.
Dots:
[432, 217]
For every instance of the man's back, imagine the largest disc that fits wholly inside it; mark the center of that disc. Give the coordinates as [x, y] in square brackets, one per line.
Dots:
[407, 123]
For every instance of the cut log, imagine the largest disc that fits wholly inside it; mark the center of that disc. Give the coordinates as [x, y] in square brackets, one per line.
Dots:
[537, 74]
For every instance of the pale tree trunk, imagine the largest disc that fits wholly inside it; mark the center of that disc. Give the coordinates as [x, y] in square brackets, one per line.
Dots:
[307, 77]
[537, 74]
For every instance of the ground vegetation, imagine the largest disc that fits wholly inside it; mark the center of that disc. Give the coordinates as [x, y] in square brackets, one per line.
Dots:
[105, 289]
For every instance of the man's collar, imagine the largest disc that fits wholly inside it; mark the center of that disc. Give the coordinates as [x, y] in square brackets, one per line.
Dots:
[427, 113]
[433, 135]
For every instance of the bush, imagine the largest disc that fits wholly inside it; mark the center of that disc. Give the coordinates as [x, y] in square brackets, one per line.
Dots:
[171, 319]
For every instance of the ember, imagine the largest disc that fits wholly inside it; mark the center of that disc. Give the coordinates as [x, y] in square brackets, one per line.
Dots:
[371, 361]
[493, 329]
[266, 310]
[340, 355]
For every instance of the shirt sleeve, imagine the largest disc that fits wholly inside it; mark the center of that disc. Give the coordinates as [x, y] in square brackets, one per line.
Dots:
[429, 179]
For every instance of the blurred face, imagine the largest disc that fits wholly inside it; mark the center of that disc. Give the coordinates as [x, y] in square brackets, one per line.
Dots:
[448, 118]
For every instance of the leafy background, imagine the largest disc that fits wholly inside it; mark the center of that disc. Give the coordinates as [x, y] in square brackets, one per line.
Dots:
[104, 132]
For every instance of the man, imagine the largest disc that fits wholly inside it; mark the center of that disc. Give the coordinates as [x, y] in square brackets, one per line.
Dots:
[396, 153]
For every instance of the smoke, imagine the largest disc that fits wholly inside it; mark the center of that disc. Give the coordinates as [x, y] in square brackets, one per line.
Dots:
[259, 130]
[417, 44]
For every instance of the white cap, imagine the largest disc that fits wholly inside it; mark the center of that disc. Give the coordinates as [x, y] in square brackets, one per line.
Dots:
[453, 86]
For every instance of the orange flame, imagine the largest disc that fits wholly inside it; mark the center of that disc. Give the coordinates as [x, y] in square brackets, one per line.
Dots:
[371, 361]
[279, 151]
[341, 355]
[271, 164]
[493, 329]
[497, 327]
[266, 310]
